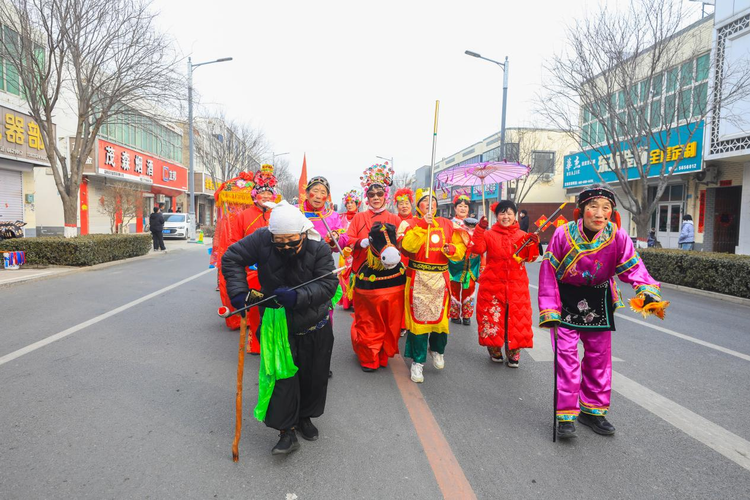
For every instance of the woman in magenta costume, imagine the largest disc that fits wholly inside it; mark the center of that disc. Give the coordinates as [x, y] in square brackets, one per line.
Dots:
[352, 202]
[578, 297]
[316, 207]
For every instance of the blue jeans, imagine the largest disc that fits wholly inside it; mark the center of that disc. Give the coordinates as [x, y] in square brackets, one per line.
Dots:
[687, 246]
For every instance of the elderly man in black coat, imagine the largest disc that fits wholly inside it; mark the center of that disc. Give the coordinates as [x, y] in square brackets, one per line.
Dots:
[289, 252]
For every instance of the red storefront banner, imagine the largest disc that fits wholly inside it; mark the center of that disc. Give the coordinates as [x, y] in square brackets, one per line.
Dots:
[702, 210]
[130, 165]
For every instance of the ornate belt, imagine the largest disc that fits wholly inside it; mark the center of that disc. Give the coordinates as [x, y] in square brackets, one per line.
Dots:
[424, 266]
[323, 322]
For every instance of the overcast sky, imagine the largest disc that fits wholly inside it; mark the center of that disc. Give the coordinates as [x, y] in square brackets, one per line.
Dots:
[347, 81]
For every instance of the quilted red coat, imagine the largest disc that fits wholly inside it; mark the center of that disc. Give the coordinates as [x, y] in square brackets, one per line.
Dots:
[503, 302]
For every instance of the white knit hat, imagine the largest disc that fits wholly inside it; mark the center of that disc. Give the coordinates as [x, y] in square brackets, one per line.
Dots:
[287, 219]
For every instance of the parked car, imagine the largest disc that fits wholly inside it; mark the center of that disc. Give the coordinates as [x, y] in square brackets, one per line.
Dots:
[176, 225]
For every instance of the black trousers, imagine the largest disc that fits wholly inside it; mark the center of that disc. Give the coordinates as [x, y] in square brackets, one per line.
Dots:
[304, 395]
[158, 237]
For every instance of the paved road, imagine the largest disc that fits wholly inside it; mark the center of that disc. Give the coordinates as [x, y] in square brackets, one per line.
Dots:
[134, 398]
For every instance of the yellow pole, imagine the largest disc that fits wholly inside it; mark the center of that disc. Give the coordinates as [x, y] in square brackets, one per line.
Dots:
[432, 171]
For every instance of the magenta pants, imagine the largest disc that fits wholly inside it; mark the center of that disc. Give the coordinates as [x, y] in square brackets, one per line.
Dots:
[584, 385]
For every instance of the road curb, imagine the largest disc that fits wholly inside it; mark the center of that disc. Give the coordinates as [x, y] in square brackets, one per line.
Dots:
[74, 270]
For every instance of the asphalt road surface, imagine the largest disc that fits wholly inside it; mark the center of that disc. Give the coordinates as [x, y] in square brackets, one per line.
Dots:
[120, 383]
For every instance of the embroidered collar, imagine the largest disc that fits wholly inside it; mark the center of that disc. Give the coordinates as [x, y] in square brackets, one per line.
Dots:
[581, 246]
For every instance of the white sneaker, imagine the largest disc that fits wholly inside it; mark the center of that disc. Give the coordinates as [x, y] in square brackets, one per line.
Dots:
[403, 332]
[416, 373]
[438, 360]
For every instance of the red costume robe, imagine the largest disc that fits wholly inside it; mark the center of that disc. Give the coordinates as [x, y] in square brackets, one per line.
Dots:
[244, 225]
[378, 312]
[503, 302]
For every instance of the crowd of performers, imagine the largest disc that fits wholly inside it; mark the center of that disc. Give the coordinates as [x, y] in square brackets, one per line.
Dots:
[411, 274]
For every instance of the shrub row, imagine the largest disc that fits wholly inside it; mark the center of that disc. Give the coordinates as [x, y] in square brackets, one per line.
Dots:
[715, 272]
[81, 250]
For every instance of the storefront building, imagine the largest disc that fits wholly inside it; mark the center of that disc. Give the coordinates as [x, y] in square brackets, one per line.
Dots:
[21, 151]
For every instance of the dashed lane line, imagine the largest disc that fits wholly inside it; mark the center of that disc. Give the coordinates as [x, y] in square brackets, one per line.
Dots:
[73, 329]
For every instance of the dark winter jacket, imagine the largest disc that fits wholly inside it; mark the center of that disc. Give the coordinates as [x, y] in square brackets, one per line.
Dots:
[156, 222]
[313, 260]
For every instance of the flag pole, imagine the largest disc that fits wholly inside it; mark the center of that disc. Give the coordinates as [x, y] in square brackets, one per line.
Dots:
[432, 172]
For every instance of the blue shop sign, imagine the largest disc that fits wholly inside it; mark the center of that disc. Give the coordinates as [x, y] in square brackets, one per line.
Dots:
[490, 191]
[581, 168]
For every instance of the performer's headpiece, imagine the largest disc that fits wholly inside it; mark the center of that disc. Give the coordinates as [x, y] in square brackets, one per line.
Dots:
[424, 193]
[461, 198]
[404, 194]
[318, 180]
[592, 193]
[265, 181]
[287, 219]
[380, 175]
[352, 195]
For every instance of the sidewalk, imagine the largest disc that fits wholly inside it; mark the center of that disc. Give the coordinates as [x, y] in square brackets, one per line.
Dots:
[9, 277]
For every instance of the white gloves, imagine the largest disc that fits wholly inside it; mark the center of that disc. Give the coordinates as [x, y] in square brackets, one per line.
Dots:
[364, 243]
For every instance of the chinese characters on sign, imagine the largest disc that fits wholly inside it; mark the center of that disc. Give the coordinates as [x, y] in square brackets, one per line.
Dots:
[128, 164]
[21, 138]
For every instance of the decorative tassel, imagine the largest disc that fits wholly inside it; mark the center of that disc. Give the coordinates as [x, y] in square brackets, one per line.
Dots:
[373, 262]
[654, 308]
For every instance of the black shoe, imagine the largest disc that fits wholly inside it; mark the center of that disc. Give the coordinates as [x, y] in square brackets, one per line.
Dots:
[598, 424]
[367, 369]
[566, 430]
[467, 321]
[287, 443]
[456, 321]
[307, 430]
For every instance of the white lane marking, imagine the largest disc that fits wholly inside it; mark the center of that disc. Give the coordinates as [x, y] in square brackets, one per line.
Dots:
[542, 350]
[73, 329]
[679, 335]
[715, 437]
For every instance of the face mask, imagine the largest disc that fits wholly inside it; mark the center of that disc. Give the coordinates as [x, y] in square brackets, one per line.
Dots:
[288, 249]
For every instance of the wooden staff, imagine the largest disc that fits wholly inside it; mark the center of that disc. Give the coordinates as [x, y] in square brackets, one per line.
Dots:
[432, 172]
[240, 373]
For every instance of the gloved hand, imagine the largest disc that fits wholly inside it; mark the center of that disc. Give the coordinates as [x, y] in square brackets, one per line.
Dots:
[364, 243]
[449, 249]
[484, 223]
[238, 301]
[533, 237]
[285, 296]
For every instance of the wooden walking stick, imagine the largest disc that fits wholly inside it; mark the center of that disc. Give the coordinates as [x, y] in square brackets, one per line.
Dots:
[240, 373]
[554, 397]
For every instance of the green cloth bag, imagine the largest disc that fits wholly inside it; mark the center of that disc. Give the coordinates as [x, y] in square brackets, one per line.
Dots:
[276, 362]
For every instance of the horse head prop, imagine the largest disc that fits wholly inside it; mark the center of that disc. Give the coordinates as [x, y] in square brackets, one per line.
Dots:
[382, 252]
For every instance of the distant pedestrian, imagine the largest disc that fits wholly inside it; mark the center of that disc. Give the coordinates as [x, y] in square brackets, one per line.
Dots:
[523, 221]
[156, 224]
[687, 233]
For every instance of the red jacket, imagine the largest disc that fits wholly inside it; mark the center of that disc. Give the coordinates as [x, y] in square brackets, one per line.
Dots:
[504, 284]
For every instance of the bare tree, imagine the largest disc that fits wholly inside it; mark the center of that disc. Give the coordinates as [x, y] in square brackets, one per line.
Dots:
[106, 56]
[626, 87]
[527, 145]
[226, 147]
[120, 204]
[288, 183]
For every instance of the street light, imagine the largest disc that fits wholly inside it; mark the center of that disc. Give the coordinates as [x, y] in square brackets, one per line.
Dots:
[503, 65]
[191, 174]
[273, 158]
[384, 158]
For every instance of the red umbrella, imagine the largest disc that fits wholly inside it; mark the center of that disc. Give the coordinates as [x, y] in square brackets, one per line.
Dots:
[486, 172]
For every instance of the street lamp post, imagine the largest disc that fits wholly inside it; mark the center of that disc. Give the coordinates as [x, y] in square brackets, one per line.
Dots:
[503, 65]
[273, 158]
[384, 158]
[191, 172]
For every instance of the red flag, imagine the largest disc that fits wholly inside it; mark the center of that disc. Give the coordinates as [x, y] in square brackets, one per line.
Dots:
[302, 181]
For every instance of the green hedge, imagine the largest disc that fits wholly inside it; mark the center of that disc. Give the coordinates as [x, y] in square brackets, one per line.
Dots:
[715, 272]
[81, 250]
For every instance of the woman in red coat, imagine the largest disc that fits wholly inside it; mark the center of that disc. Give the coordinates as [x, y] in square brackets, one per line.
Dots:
[503, 302]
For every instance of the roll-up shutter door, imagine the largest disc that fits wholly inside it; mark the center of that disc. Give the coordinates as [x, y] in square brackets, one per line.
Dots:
[11, 196]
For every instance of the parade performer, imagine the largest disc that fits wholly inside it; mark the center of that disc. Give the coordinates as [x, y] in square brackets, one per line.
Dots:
[465, 272]
[373, 313]
[316, 207]
[429, 242]
[352, 201]
[503, 303]
[404, 199]
[376, 181]
[245, 224]
[288, 253]
[378, 293]
[577, 300]
[232, 198]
